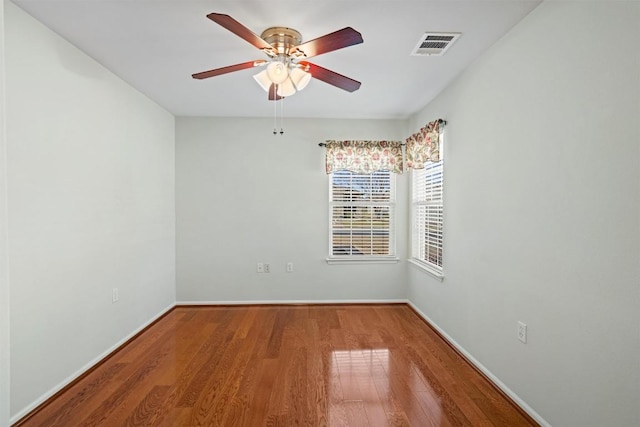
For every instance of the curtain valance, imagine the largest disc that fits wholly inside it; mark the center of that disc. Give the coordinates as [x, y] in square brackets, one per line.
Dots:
[364, 156]
[424, 146]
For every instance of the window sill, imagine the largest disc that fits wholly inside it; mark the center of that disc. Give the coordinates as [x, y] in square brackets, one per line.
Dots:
[438, 275]
[363, 260]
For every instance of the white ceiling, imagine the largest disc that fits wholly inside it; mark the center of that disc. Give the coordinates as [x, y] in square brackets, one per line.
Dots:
[155, 45]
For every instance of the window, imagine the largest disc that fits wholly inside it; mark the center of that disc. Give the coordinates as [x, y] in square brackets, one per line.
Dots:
[427, 216]
[362, 215]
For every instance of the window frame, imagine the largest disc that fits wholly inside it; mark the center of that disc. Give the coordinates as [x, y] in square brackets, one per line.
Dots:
[391, 204]
[418, 247]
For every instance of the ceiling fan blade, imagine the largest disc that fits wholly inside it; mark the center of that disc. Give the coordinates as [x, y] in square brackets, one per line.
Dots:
[273, 96]
[329, 42]
[331, 77]
[229, 69]
[239, 30]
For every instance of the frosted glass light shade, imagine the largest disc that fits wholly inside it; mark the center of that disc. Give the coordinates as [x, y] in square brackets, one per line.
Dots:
[277, 72]
[263, 80]
[286, 88]
[300, 78]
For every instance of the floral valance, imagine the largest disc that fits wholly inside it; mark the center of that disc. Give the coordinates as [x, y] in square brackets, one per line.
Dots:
[424, 146]
[364, 156]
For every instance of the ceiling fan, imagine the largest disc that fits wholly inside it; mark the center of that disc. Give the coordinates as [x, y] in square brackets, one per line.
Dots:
[287, 70]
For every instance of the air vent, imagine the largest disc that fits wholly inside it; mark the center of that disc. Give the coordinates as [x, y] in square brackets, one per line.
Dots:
[434, 44]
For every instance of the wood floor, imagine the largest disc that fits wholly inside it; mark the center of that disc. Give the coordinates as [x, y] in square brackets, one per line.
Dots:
[336, 365]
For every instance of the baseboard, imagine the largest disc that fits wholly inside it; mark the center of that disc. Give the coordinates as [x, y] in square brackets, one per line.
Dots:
[482, 369]
[47, 397]
[295, 302]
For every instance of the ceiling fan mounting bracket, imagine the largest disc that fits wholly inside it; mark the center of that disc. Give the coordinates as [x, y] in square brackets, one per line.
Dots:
[283, 39]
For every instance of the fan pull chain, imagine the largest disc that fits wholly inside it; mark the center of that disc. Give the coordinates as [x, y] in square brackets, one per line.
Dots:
[281, 116]
[275, 111]
[275, 114]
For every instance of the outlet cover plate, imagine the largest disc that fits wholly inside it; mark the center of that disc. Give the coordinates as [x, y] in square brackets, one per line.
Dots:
[522, 332]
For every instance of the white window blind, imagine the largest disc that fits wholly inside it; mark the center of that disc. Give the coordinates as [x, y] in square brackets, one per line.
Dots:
[362, 214]
[427, 218]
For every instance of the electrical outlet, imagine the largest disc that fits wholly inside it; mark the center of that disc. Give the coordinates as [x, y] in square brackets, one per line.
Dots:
[260, 267]
[267, 268]
[114, 295]
[522, 332]
[289, 267]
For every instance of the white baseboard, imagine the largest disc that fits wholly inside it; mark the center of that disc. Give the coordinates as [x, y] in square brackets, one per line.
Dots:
[521, 403]
[84, 369]
[293, 302]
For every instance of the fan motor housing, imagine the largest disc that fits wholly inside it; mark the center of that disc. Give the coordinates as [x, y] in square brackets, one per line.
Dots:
[283, 39]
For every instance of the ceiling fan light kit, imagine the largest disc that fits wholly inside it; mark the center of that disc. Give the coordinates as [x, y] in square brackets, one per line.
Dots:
[286, 72]
[277, 72]
[263, 80]
[286, 88]
[300, 78]
[288, 78]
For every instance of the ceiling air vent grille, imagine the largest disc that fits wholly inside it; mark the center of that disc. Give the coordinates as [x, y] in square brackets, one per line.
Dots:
[434, 44]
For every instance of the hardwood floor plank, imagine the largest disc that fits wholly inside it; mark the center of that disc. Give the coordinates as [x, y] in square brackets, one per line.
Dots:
[260, 398]
[432, 407]
[133, 374]
[187, 344]
[334, 365]
[207, 367]
[242, 369]
[398, 419]
[145, 413]
[296, 392]
[62, 409]
[211, 388]
[275, 339]
[356, 415]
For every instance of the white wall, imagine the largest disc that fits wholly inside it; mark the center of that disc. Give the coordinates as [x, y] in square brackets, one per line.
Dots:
[91, 207]
[246, 196]
[542, 212]
[4, 277]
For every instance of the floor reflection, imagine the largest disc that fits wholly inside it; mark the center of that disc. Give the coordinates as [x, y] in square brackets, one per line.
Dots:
[371, 387]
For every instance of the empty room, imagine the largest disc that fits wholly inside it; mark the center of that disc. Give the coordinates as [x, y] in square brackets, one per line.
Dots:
[338, 213]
